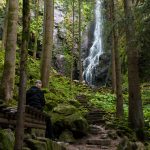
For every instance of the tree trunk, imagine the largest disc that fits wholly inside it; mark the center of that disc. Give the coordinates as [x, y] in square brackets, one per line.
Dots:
[8, 77]
[119, 104]
[80, 61]
[37, 22]
[135, 104]
[5, 26]
[113, 78]
[23, 77]
[73, 39]
[47, 42]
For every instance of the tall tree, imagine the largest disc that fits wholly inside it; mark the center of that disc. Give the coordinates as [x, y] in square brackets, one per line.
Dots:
[135, 104]
[5, 26]
[8, 77]
[113, 78]
[37, 24]
[23, 77]
[47, 41]
[80, 61]
[119, 103]
[73, 37]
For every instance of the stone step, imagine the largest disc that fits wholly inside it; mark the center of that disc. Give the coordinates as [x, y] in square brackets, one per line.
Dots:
[97, 112]
[104, 136]
[105, 148]
[92, 147]
[96, 121]
[94, 116]
[95, 132]
[102, 142]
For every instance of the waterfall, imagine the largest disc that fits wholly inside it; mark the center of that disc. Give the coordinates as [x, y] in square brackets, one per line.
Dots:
[96, 50]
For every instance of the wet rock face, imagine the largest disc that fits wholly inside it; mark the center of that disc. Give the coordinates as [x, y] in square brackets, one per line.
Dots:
[60, 63]
[101, 72]
[88, 37]
[59, 30]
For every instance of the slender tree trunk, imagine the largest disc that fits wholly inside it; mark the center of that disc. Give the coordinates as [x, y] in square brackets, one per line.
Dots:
[47, 42]
[112, 52]
[23, 77]
[73, 39]
[37, 22]
[80, 61]
[119, 104]
[5, 26]
[8, 76]
[135, 104]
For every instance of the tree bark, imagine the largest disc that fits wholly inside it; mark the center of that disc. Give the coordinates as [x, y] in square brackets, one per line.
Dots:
[47, 42]
[8, 76]
[113, 78]
[5, 26]
[135, 104]
[119, 103]
[73, 39]
[80, 61]
[23, 77]
[36, 33]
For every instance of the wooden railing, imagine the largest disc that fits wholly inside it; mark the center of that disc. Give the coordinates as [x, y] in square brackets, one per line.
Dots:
[33, 117]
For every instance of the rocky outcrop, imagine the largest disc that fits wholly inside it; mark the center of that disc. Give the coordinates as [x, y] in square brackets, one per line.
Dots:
[101, 73]
[68, 117]
[43, 144]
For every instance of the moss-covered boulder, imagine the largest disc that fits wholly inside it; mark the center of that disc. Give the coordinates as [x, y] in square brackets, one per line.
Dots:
[78, 124]
[65, 109]
[67, 136]
[68, 117]
[7, 139]
[36, 144]
[44, 144]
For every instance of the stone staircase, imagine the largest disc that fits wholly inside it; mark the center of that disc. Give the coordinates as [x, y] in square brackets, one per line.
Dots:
[96, 116]
[99, 137]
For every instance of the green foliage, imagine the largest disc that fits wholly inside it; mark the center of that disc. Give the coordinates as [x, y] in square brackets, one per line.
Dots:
[105, 101]
[1, 62]
[7, 140]
[33, 69]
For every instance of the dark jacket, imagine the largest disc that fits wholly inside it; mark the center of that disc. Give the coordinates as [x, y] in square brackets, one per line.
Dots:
[35, 98]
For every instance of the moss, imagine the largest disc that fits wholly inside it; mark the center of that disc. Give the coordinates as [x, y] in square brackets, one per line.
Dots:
[67, 136]
[65, 109]
[7, 140]
[36, 145]
[77, 122]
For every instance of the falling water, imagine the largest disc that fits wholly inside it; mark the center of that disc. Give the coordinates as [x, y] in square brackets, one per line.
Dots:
[96, 50]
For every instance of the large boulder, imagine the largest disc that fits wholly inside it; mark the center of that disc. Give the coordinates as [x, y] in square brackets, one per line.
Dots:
[36, 144]
[67, 117]
[44, 144]
[7, 139]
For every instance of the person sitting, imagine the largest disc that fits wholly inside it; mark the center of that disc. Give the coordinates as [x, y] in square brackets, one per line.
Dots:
[35, 98]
